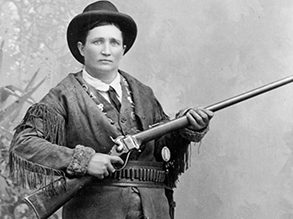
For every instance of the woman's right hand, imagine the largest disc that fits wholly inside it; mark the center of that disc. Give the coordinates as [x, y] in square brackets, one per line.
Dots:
[101, 165]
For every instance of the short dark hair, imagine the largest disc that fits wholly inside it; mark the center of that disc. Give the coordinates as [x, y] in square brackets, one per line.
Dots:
[84, 31]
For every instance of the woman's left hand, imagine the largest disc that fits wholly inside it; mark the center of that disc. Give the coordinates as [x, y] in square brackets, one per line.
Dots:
[199, 118]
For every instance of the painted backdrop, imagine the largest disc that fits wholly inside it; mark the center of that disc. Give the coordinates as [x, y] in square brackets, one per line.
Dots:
[192, 53]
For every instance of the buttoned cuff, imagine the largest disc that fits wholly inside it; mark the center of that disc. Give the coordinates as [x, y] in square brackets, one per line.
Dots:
[80, 160]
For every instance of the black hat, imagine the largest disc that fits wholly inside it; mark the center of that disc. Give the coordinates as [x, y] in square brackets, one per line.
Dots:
[100, 11]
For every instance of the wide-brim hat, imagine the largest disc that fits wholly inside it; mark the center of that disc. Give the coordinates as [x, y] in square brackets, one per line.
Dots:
[100, 11]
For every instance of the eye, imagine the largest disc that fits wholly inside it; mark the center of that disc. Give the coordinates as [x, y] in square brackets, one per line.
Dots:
[115, 42]
[98, 42]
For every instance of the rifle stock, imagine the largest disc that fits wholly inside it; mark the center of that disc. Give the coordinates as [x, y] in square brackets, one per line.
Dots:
[45, 205]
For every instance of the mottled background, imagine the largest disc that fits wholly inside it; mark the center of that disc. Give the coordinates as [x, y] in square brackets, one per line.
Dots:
[192, 53]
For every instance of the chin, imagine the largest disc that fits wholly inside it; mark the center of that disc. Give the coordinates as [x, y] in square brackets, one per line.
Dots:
[106, 70]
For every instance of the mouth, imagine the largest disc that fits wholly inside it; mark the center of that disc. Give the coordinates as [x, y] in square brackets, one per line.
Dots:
[105, 60]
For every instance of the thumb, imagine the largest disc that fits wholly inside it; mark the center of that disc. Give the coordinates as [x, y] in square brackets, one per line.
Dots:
[116, 159]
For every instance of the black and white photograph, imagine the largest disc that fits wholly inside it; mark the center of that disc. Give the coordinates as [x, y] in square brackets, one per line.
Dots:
[146, 109]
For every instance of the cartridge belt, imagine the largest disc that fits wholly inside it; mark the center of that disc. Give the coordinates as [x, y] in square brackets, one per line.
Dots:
[138, 173]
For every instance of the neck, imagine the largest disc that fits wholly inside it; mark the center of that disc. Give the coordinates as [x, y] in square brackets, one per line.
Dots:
[106, 77]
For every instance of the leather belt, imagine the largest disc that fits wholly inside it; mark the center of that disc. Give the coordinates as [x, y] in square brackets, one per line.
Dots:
[138, 173]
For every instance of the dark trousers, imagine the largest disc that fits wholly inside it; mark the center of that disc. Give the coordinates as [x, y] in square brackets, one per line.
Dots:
[135, 207]
[128, 206]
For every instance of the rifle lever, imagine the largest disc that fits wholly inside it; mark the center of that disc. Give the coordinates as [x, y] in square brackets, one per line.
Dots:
[124, 145]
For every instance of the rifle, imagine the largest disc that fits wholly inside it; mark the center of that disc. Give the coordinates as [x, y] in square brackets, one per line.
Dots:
[45, 205]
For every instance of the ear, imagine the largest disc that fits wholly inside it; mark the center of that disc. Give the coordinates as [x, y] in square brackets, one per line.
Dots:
[124, 47]
[80, 47]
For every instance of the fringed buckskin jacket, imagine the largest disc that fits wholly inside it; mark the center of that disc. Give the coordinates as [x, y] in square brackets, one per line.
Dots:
[58, 136]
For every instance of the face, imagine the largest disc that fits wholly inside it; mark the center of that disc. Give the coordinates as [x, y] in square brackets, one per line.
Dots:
[102, 51]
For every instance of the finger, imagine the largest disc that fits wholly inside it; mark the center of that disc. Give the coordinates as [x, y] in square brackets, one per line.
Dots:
[111, 169]
[106, 173]
[196, 118]
[205, 116]
[202, 114]
[192, 121]
[120, 147]
[100, 176]
[208, 112]
[116, 159]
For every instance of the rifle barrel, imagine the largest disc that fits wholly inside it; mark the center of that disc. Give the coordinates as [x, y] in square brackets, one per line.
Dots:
[249, 94]
[182, 122]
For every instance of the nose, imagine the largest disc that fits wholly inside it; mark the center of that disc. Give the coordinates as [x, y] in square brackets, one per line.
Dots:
[106, 49]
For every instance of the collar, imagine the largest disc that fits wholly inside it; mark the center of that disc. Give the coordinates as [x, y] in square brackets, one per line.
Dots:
[102, 86]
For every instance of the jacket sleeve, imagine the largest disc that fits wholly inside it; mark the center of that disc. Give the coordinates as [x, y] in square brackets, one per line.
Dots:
[38, 151]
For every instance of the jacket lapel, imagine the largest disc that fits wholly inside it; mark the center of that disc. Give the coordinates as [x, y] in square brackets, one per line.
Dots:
[140, 99]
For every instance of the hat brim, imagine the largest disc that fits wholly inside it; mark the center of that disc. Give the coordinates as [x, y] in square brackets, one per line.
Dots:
[125, 22]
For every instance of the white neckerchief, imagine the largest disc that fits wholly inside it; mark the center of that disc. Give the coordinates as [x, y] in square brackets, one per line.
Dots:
[102, 87]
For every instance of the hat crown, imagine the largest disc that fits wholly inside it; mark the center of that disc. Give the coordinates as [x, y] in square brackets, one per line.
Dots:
[101, 6]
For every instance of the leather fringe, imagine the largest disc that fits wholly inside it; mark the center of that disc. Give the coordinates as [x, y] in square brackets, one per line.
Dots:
[31, 175]
[180, 153]
[53, 123]
[180, 162]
